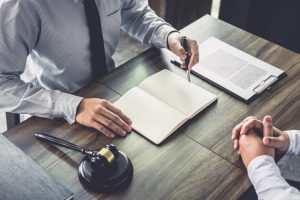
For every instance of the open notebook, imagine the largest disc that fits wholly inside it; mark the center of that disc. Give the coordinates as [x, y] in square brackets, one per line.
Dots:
[162, 103]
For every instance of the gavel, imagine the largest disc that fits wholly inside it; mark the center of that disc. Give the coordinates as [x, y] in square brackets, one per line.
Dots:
[107, 169]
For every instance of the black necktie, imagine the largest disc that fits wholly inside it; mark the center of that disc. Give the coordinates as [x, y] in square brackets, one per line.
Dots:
[98, 62]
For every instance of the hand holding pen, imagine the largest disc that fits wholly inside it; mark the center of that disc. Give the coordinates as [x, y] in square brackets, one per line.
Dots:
[184, 44]
[175, 45]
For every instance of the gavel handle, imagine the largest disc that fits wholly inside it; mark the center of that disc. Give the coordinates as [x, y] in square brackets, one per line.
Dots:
[63, 143]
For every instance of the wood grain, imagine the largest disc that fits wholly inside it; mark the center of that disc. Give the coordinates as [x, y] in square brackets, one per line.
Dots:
[180, 168]
[197, 161]
[212, 128]
[61, 162]
[282, 101]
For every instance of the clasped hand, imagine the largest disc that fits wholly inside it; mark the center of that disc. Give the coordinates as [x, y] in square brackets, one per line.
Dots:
[246, 139]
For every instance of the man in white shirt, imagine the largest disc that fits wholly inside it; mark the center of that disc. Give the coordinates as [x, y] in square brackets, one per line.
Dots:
[49, 42]
[258, 156]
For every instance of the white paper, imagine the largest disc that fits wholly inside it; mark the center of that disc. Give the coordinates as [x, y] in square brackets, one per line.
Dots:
[150, 117]
[162, 103]
[233, 69]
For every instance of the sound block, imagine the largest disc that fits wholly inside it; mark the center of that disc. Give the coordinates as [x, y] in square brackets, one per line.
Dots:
[116, 176]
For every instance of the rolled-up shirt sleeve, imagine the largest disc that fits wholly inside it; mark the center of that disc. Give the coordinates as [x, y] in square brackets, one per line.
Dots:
[19, 33]
[266, 178]
[141, 22]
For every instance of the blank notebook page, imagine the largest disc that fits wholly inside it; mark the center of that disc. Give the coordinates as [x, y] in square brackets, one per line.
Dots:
[151, 118]
[177, 92]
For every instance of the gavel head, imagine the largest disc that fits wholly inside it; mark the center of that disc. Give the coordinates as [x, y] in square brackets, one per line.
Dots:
[105, 157]
[107, 170]
[112, 148]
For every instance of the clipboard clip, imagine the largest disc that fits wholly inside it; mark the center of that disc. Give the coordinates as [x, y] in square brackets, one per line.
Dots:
[265, 84]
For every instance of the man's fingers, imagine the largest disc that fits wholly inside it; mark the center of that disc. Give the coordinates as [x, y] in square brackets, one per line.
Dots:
[102, 129]
[235, 144]
[110, 125]
[193, 61]
[250, 124]
[198, 58]
[118, 112]
[178, 49]
[268, 126]
[275, 142]
[115, 118]
[194, 53]
[181, 53]
[236, 131]
[103, 116]
[276, 132]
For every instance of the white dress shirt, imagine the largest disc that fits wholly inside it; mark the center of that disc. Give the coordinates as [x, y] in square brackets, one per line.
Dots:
[266, 178]
[48, 40]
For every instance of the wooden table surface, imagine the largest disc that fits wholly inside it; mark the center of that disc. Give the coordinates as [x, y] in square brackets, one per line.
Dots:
[195, 162]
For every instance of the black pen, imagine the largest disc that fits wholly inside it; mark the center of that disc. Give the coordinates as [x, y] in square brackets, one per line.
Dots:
[184, 44]
[177, 64]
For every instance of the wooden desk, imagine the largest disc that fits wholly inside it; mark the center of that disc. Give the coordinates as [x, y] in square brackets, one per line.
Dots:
[197, 161]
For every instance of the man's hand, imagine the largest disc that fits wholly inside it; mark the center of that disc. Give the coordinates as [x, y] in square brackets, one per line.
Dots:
[280, 140]
[251, 145]
[103, 116]
[174, 42]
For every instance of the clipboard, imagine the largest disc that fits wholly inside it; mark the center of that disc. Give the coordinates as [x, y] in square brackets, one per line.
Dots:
[250, 100]
[227, 68]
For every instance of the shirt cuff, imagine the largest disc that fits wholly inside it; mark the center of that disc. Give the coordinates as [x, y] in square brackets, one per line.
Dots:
[267, 180]
[162, 36]
[175, 31]
[294, 143]
[66, 105]
[261, 167]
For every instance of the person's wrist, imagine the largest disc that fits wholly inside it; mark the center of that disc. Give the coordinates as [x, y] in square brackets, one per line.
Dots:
[172, 35]
[270, 152]
[79, 107]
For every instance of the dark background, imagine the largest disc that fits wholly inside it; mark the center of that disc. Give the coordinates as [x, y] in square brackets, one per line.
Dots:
[275, 20]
